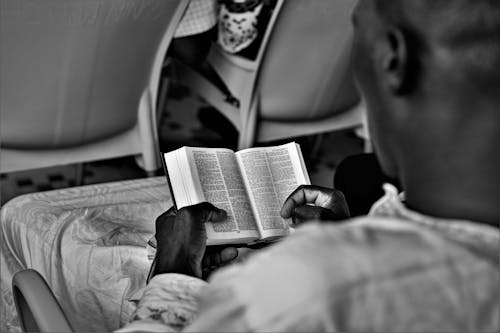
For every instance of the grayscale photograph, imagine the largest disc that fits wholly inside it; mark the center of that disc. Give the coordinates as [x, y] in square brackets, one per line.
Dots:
[249, 166]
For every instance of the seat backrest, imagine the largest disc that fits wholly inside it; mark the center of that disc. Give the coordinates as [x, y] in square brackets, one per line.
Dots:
[305, 72]
[73, 71]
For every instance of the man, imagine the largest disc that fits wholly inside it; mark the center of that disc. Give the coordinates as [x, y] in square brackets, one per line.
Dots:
[428, 70]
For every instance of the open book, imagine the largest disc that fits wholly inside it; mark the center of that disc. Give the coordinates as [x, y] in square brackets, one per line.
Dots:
[250, 185]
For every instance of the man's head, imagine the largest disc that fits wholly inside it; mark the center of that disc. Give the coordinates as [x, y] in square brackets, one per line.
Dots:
[429, 71]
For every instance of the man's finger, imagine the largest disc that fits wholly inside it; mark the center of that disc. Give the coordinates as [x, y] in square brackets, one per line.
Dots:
[206, 212]
[211, 213]
[172, 211]
[297, 198]
[228, 254]
[161, 221]
[305, 213]
[217, 257]
[306, 194]
[217, 215]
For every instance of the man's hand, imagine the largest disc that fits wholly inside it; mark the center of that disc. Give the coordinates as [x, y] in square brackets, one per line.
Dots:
[181, 241]
[309, 202]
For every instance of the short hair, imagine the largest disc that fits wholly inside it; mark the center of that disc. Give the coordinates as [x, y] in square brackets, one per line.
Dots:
[469, 30]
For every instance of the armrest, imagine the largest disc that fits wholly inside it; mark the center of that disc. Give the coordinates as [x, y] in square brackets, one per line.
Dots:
[36, 305]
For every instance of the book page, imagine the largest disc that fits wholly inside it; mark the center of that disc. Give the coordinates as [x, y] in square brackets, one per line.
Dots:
[271, 174]
[220, 183]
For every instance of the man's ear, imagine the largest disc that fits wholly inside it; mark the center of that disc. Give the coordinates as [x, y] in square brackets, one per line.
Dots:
[393, 59]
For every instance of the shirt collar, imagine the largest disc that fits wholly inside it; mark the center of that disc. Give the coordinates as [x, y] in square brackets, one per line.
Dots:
[479, 234]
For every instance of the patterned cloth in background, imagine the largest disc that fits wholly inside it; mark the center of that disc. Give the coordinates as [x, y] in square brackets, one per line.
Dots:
[395, 270]
[238, 21]
[200, 16]
[88, 242]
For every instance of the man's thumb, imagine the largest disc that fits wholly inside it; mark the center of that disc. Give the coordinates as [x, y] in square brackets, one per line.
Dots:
[210, 213]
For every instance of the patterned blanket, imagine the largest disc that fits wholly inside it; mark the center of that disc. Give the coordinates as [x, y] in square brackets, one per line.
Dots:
[89, 243]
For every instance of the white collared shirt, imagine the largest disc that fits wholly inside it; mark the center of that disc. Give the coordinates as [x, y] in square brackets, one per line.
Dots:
[394, 270]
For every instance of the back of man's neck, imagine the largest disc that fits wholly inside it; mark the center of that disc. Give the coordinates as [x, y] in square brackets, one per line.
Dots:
[458, 201]
[451, 170]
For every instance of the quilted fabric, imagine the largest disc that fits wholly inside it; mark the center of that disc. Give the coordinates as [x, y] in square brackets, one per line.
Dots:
[88, 242]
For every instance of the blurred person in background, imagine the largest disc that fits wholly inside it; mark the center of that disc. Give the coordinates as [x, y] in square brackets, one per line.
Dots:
[236, 25]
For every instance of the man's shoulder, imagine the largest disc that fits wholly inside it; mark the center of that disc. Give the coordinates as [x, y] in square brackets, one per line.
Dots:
[321, 265]
[371, 235]
[338, 256]
[384, 245]
[359, 249]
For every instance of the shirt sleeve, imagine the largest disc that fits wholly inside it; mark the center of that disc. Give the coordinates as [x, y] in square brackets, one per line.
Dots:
[168, 304]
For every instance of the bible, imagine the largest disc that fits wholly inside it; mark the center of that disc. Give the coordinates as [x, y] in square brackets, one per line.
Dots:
[251, 185]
